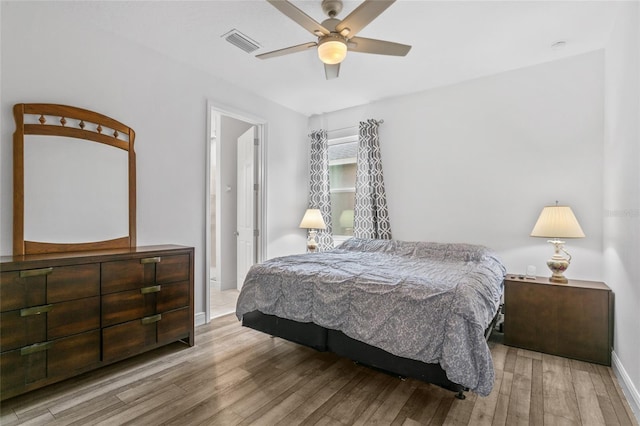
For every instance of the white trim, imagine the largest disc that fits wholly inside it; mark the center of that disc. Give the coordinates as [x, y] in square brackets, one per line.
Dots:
[200, 319]
[261, 134]
[344, 139]
[628, 388]
[349, 160]
[347, 189]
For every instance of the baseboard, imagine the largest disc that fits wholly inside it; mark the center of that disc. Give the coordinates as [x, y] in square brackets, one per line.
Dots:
[201, 319]
[628, 388]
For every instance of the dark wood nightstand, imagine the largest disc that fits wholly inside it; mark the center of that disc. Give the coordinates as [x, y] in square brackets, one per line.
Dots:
[573, 320]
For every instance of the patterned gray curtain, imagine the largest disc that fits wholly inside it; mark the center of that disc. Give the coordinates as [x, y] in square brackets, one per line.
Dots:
[319, 196]
[371, 216]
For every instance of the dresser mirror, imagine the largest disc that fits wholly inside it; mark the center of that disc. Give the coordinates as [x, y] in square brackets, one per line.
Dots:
[74, 180]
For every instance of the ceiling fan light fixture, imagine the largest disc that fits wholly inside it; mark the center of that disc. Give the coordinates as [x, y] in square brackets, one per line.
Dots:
[332, 50]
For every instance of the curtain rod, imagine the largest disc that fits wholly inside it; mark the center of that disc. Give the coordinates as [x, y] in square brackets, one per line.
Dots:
[352, 127]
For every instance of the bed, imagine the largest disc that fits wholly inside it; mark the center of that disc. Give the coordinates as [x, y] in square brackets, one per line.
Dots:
[415, 309]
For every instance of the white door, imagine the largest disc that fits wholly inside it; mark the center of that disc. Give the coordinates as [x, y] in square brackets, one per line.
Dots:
[246, 205]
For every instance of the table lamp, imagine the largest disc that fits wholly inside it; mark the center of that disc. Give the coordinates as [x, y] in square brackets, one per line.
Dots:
[313, 221]
[557, 222]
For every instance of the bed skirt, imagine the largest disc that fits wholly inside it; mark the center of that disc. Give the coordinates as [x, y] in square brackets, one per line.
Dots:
[322, 339]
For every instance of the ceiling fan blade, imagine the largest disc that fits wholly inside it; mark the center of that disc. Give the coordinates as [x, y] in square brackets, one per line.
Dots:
[287, 50]
[362, 16]
[331, 71]
[380, 47]
[299, 17]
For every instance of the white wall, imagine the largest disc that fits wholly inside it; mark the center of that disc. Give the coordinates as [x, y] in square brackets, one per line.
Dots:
[476, 162]
[622, 193]
[63, 61]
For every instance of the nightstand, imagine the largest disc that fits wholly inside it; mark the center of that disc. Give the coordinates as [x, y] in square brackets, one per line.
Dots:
[573, 320]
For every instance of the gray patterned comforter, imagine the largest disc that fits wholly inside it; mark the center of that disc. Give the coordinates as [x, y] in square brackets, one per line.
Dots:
[425, 301]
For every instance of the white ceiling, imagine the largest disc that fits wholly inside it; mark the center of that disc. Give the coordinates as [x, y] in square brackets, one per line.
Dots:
[452, 41]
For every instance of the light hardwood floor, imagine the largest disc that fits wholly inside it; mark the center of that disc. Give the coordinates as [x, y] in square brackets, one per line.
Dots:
[223, 302]
[235, 375]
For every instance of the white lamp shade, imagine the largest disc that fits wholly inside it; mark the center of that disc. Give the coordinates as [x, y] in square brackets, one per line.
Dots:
[332, 51]
[313, 220]
[557, 222]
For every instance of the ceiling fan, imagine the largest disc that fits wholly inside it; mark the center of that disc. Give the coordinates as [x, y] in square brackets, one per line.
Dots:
[336, 37]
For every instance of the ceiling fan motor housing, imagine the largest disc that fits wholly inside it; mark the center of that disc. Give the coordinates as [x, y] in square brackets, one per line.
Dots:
[331, 7]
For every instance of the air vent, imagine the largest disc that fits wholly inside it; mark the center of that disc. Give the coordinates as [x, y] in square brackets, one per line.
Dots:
[241, 41]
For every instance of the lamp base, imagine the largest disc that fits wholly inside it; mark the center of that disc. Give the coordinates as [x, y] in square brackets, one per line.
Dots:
[312, 244]
[558, 264]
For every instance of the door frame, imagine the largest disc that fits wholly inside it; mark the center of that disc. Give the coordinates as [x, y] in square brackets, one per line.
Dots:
[261, 177]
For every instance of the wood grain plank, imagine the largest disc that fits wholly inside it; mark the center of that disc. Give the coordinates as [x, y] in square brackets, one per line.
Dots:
[560, 402]
[41, 419]
[336, 397]
[510, 360]
[95, 408]
[499, 355]
[389, 409]
[520, 399]
[131, 413]
[199, 395]
[460, 411]
[590, 413]
[237, 376]
[430, 397]
[529, 354]
[441, 412]
[536, 408]
[484, 408]
[502, 403]
[319, 390]
[362, 396]
[617, 399]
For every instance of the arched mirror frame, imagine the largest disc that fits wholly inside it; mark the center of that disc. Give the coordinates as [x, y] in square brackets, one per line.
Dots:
[75, 123]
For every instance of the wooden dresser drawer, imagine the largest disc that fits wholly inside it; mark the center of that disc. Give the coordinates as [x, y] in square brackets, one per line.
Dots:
[174, 325]
[19, 289]
[130, 338]
[173, 296]
[34, 287]
[25, 330]
[73, 282]
[122, 275]
[125, 306]
[173, 268]
[47, 322]
[127, 339]
[73, 317]
[43, 362]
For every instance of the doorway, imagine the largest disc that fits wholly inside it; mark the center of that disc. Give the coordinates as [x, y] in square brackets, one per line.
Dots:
[235, 200]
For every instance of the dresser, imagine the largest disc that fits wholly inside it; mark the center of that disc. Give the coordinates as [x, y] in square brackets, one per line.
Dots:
[62, 314]
[573, 320]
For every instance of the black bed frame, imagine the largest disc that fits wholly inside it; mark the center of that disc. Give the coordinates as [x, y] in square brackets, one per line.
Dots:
[324, 339]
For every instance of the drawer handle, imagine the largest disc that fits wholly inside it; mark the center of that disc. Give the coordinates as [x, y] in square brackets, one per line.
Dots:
[36, 272]
[150, 289]
[38, 347]
[36, 310]
[151, 260]
[151, 319]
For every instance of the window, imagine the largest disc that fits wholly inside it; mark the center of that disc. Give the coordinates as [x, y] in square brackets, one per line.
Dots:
[342, 177]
